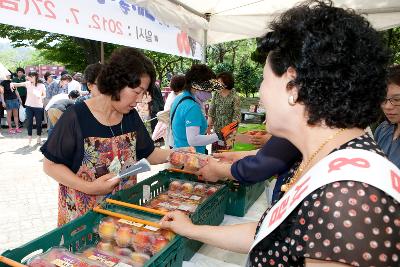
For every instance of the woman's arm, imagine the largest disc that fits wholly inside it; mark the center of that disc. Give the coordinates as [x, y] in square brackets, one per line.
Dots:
[159, 156]
[237, 238]
[3, 103]
[215, 171]
[194, 137]
[59, 172]
[43, 91]
[20, 84]
[18, 96]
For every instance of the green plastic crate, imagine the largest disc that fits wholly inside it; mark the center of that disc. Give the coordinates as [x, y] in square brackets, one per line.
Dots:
[244, 128]
[242, 197]
[210, 212]
[79, 234]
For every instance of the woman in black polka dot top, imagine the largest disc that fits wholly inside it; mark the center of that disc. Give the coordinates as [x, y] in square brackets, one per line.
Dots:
[324, 81]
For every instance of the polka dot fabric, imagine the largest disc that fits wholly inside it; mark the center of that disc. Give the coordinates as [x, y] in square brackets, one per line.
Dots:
[347, 222]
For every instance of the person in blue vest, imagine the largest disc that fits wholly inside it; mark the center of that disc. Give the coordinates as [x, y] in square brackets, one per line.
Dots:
[187, 115]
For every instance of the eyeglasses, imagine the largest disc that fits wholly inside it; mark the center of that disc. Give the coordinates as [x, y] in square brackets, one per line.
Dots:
[395, 101]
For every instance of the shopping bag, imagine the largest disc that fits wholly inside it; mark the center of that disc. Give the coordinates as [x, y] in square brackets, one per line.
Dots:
[22, 113]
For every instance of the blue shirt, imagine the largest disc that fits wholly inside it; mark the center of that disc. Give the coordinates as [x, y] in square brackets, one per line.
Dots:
[384, 138]
[54, 89]
[188, 114]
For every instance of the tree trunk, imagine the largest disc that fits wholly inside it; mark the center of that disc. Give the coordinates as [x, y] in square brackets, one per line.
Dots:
[92, 49]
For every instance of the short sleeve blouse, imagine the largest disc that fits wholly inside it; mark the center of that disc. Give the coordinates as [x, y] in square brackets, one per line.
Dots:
[87, 148]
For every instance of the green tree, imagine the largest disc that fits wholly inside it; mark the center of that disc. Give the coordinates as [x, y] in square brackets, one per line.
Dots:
[223, 67]
[75, 53]
[164, 63]
[248, 79]
[392, 37]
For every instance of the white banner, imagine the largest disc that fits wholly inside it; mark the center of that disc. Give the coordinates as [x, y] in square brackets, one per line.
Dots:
[111, 21]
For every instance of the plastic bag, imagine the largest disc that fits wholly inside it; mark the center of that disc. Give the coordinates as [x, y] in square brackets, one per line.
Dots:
[22, 113]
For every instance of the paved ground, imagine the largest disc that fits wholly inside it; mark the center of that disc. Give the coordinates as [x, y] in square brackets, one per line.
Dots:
[28, 197]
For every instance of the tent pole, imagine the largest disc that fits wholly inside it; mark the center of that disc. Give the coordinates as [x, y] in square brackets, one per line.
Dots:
[204, 58]
[101, 52]
[205, 40]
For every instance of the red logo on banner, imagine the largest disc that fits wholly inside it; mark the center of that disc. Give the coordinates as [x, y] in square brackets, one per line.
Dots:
[300, 190]
[182, 40]
[279, 211]
[340, 162]
[395, 181]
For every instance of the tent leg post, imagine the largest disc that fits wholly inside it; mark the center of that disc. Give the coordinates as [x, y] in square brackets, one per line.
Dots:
[204, 57]
[101, 52]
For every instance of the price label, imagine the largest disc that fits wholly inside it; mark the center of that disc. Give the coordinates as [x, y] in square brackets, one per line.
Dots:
[131, 223]
[146, 193]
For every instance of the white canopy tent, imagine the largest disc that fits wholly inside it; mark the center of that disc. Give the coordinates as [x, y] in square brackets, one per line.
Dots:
[211, 22]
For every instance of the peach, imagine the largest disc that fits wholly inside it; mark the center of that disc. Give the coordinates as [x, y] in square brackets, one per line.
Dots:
[163, 197]
[167, 234]
[175, 186]
[211, 190]
[105, 246]
[139, 259]
[159, 243]
[187, 187]
[126, 252]
[141, 241]
[107, 229]
[123, 236]
[199, 189]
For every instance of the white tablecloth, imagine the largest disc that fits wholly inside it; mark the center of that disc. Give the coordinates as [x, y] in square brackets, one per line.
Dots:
[212, 256]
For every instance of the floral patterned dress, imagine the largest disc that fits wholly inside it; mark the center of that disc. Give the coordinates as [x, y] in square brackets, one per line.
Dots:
[87, 148]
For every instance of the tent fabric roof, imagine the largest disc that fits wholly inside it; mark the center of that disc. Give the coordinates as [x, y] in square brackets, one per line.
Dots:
[239, 19]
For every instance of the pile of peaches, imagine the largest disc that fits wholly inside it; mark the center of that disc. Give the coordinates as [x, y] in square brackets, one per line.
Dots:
[188, 158]
[131, 240]
[182, 195]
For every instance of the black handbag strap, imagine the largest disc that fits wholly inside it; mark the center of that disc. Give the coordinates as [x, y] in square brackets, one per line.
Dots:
[180, 101]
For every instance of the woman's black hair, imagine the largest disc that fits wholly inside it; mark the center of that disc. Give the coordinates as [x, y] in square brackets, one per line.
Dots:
[340, 61]
[36, 75]
[177, 83]
[198, 73]
[20, 69]
[227, 79]
[91, 72]
[125, 67]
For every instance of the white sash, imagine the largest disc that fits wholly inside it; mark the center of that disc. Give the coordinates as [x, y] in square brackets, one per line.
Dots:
[343, 165]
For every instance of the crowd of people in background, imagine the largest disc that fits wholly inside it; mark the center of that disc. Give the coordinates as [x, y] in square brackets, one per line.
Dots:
[40, 95]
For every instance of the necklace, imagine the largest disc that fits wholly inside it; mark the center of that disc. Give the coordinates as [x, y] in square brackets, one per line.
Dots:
[299, 171]
[112, 132]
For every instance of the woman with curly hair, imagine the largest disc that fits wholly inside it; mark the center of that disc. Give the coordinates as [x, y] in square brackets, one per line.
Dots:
[324, 82]
[96, 139]
[388, 132]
